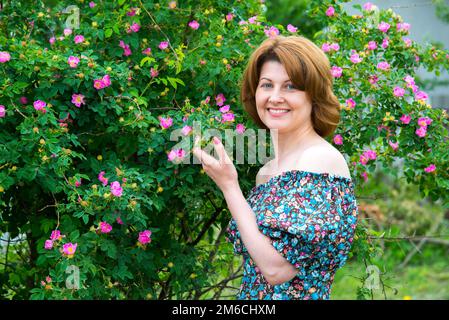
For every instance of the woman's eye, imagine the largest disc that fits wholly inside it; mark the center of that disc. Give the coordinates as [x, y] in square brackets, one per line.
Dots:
[265, 85]
[290, 86]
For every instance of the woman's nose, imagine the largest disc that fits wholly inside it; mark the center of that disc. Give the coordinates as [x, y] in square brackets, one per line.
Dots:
[275, 98]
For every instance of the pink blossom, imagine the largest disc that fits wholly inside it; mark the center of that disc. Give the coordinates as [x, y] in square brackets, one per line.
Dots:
[408, 42]
[131, 12]
[163, 45]
[326, 47]
[421, 132]
[421, 95]
[373, 79]
[69, 249]
[330, 11]
[119, 220]
[144, 237]
[116, 189]
[424, 121]
[91, 4]
[409, 80]
[135, 27]
[291, 28]
[73, 61]
[430, 168]
[102, 83]
[102, 178]
[372, 45]
[186, 130]
[105, 227]
[194, 24]
[67, 32]
[52, 40]
[383, 26]
[368, 6]
[147, 51]
[55, 235]
[224, 109]
[351, 103]
[126, 48]
[165, 122]
[154, 73]
[371, 154]
[363, 159]
[229, 17]
[48, 244]
[335, 46]
[40, 105]
[23, 100]
[385, 43]
[355, 58]
[405, 119]
[404, 26]
[252, 20]
[240, 128]
[398, 92]
[4, 56]
[79, 39]
[383, 65]
[272, 32]
[220, 99]
[227, 117]
[172, 155]
[395, 146]
[78, 183]
[2, 111]
[78, 100]
[338, 139]
[336, 71]
[365, 176]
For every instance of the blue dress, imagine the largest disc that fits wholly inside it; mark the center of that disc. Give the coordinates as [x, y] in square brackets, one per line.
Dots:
[310, 218]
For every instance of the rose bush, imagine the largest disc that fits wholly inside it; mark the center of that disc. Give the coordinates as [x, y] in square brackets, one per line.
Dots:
[90, 174]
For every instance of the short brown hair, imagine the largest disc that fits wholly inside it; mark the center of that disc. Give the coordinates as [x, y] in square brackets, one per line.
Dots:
[307, 67]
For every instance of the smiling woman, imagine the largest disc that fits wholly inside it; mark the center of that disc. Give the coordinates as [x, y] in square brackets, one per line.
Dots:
[295, 227]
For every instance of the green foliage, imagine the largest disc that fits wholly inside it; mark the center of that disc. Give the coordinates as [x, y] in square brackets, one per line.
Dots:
[50, 161]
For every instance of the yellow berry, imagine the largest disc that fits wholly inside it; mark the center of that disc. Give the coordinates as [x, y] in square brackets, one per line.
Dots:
[94, 24]
[225, 61]
[218, 44]
[170, 265]
[42, 141]
[2, 189]
[36, 130]
[99, 157]
[160, 189]
[192, 275]
[121, 119]
[108, 69]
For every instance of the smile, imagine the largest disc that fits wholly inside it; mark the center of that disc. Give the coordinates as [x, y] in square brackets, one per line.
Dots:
[278, 112]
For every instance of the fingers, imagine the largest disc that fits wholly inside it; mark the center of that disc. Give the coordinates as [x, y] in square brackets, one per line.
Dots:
[204, 158]
[221, 151]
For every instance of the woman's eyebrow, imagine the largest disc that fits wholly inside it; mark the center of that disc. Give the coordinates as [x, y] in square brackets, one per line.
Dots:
[271, 80]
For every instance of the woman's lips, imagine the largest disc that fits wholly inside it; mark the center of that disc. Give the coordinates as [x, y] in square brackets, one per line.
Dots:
[277, 113]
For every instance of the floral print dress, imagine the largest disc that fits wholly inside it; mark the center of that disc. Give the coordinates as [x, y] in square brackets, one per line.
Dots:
[310, 218]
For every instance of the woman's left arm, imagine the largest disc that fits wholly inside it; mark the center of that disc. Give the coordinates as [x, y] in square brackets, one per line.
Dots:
[274, 267]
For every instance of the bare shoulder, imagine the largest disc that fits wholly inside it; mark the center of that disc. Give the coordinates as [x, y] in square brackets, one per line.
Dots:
[324, 158]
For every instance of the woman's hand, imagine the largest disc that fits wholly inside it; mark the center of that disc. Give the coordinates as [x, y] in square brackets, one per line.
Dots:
[221, 171]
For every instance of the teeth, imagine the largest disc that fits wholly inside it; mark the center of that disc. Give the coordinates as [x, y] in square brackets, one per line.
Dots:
[278, 111]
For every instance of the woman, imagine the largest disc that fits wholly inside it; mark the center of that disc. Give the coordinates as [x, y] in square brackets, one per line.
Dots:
[295, 228]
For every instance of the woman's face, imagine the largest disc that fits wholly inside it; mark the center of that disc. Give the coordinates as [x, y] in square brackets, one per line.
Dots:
[274, 92]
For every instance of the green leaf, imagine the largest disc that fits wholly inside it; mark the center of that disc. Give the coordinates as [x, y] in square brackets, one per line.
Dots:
[108, 33]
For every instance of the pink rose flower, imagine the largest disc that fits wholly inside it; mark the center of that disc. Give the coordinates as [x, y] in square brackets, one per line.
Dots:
[73, 61]
[335, 46]
[291, 28]
[385, 43]
[228, 117]
[220, 99]
[355, 58]
[407, 42]
[240, 128]
[186, 130]
[405, 119]
[338, 139]
[326, 47]
[368, 6]
[383, 65]
[52, 40]
[23, 100]
[395, 146]
[383, 26]
[336, 71]
[224, 109]
[79, 39]
[4, 56]
[55, 235]
[67, 32]
[272, 32]
[147, 51]
[102, 178]
[105, 227]
[421, 95]
[165, 122]
[92, 4]
[351, 103]
[135, 27]
[252, 20]
[330, 11]
[154, 73]
[144, 237]
[163, 45]
[48, 244]
[40, 105]
[194, 24]
[78, 100]
[372, 45]
[69, 249]
[116, 189]
[424, 121]
[2, 111]
[398, 92]
[229, 17]
[421, 132]
[430, 168]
